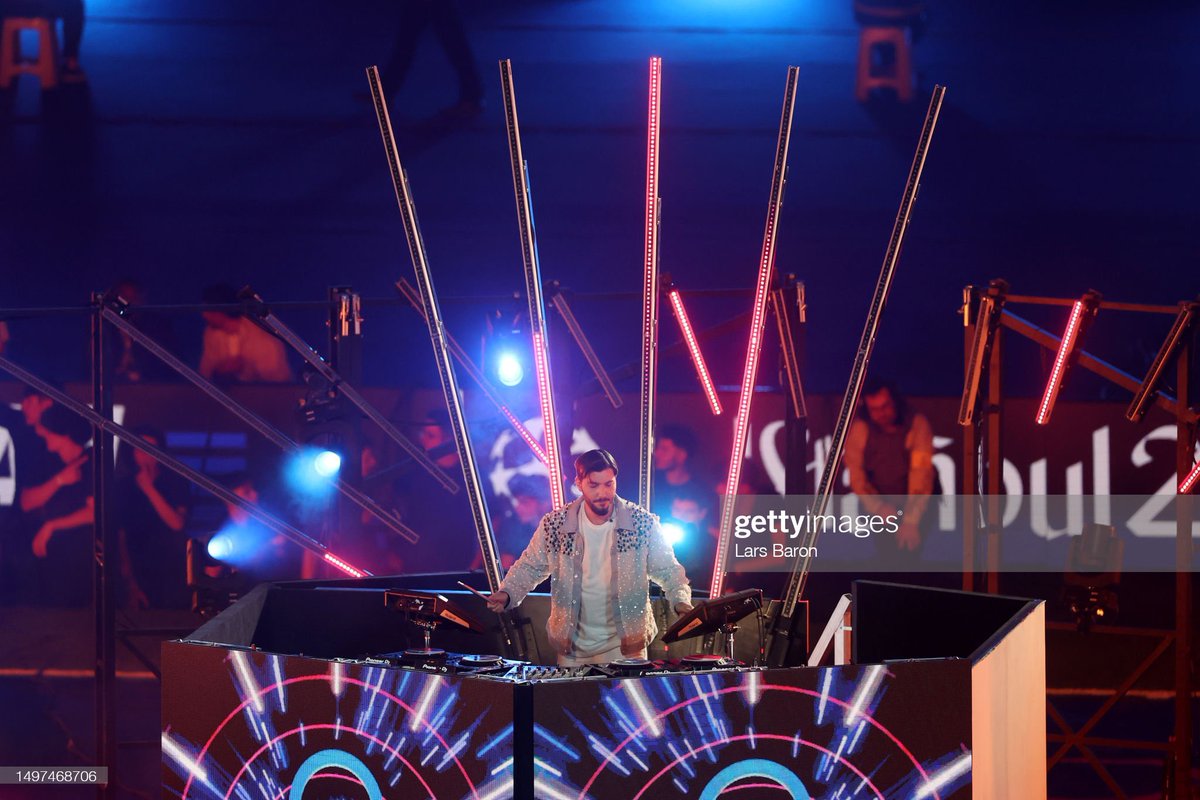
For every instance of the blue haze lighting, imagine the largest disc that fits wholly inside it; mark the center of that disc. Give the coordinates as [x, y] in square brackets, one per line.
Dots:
[673, 533]
[310, 473]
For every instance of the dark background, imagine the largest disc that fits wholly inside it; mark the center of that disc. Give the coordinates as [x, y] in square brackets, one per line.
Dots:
[221, 141]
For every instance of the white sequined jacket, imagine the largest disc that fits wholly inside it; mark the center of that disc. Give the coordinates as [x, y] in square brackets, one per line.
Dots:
[639, 552]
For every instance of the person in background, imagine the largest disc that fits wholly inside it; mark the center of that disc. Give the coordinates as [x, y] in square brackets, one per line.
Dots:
[235, 349]
[697, 532]
[131, 362]
[530, 502]
[26, 464]
[675, 472]
[151, 514]
[62, 509]
[889, 454]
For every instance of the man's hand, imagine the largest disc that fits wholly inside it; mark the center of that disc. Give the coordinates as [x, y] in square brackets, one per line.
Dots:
[682, 608]
[42, 539]
[72, 472]
[909, 536]
[498, 601]
[632, 646]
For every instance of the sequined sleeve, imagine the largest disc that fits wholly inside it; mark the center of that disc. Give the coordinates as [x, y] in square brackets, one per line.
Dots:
[665, 570]
[529, 570]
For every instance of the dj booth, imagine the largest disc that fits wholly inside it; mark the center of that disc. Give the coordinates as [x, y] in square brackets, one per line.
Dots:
[304, 690]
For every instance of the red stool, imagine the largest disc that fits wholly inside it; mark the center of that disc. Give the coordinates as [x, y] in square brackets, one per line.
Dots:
[45, 67]
[898, 75]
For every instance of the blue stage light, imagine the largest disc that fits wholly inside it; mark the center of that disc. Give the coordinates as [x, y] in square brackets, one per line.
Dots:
[509, 369]
[327, 463]
[220, 547]
[673, 533]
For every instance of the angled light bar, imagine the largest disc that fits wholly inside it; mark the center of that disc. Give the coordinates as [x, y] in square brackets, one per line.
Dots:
[689, 337]
[260, 313]
[650, 288]
[183, 470]
[787, 347]
[437, 336]
[1166, 353]
[533, 284]
[413, 297]
[1081, 314]
[568, 316]
[344, 566]
[1191, 480]
[113, 315]
[766, 263]
[858, 374]
[986, 323]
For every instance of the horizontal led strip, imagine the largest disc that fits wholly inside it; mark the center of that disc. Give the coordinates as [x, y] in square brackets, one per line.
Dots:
[766, 263]
[1066, 350]
[533, 284]
[650, 289]
[689, 336]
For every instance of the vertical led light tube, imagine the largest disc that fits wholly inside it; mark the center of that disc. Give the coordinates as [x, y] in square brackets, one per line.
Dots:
[1066, 350]
[650, 288]
[437, 337]
[533, 283]
[766, 263]
[689, 336]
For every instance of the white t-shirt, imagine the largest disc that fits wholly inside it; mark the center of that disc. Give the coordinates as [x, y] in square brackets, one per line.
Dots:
[597, 627]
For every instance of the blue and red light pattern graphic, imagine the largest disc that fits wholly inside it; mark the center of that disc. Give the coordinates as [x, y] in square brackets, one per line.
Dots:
[255, 726]
[886, 731]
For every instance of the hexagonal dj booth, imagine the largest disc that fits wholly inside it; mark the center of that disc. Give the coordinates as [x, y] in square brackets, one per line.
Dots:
[303, 690]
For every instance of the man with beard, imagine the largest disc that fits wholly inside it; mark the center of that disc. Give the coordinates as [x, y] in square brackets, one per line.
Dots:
[889, 454]
[599, 552]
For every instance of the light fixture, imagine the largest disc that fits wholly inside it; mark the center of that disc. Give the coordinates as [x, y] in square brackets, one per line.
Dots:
[689, 336]
[1082, 313]
[509, 369]
[1166, 353]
